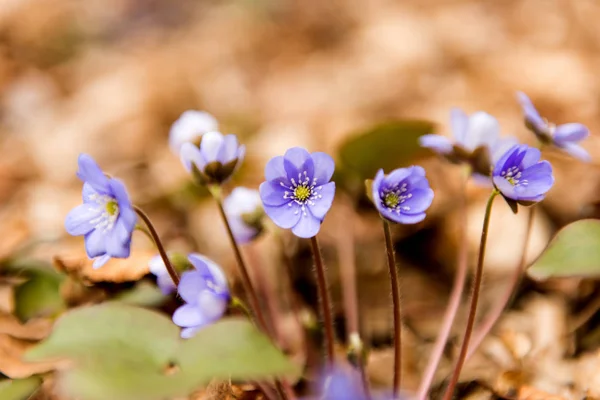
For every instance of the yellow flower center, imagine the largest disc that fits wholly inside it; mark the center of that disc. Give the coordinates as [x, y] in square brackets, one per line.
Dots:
[112, 207]
[302, 192]
[391, 200]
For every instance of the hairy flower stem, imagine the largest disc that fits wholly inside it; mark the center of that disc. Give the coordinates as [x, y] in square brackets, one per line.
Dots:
[395, 281]
[493, 316]
[246, 281]
[474, 299]
[324, 300]
[455, 296]
[159, 245]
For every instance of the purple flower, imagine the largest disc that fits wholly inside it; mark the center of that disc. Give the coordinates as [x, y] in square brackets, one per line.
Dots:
[403, 196]
[343, 384]
[190, 127]
[215, 160]
[565, 136]
[206, 294]
[477, 141]
[163, 279]
[106, 218]
[244, 212]
[297, 193]
[520, 175]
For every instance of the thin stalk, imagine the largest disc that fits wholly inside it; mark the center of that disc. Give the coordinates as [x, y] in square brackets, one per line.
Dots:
[492, 317]
[324, 300]
[246, 281]
[395, 282]
[474, 299]
[159, 245]
[454, 302]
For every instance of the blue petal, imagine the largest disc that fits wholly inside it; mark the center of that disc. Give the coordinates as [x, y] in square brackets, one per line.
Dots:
[229, 150]
[188, 316]
[275, 171]
[416, 179]
[212, 306]
[88, 193]
[272, 193]
[572, 132]
[459, 123]
[190, 285]
[284, 216]
[307, 227]
[502, 162]
[438, 143]
[531, 157]
[505, 187]
[419, 202]
[95, 243]
[90, 172]
[324, 167]
[78, 219]
[483, 130]
[576, 151]
[539, 179]
[209, 270]
[401, 218]
[296, 162]
[323, 204]
[165, 283]
[191, 155]
[100, 261]
[211, 145]
[118, 241]
[187, 333]
[530, 112]
[395, 177]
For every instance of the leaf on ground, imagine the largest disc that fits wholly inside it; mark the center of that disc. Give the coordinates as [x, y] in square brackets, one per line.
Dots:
[116, 270]
[574, 251]
[144, 294]
[20, 389]
[123, 352]
[34, 329]
[11, 359]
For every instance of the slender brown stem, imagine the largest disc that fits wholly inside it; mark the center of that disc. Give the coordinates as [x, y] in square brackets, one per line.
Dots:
[324, 300]
[453, 304]
[246, 281]
[493, 316]
[389, 247]
[159, 245]
[474, 299]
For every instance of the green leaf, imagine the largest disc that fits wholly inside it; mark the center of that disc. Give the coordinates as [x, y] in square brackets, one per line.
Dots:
[574, 251]
[40, 295]
[123, 352]
[389, 145]
[19, 389]
[144, 294]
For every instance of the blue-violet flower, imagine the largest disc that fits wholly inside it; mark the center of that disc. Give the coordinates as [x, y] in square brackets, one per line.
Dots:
[206, 294]
[190, 127]
[163, 279]
[297, 193]
[403, 196]
[106, 218]
[215, 160]
[520, 176]
[244, 211]
[565, 136]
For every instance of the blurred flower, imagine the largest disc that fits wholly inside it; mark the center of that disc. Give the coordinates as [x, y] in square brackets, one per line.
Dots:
[563, 136]
[520, 175]
[297, 193]
[106, 217]
[206, 294]
[343, 384]
[190, 127]
[403, 196]
[244, 212]
[215, 160]
[477, 141]
[158, 269]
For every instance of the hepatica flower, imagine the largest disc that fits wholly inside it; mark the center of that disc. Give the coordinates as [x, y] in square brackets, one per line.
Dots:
[190, 127]
[477, 141]
[163, 279]
[244, 212]
[215, 160]
[403, 196]
[297, 193]
[565, 136]
[106, 218]
[206, 295]
[520, 175]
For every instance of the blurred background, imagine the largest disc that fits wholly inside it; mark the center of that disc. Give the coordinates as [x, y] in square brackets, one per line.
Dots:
[109, 77]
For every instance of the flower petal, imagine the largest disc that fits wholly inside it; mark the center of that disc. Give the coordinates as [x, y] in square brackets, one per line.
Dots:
[187, 333]
[483, 130]
[189, 127]
[438, 143]
[78, 219]
[297, 161]
[505, 187]
[118, 241]
[211, 305]
[323, 203]
[156, 265]
[188, 315]
[208, 269]
[530, 112]
[459, 123]
[210, 146]
[419, 202]
[90, 172]
[530, 157]
[395, 177]
[190, 285]
[323, 167]
[273, 194]
[576, 151]
[191, 155]
[95, 243]
[229, 149]
[401, 218]
[165, 284]
[284, 216]
[307, 227]
[572, 132]
[539, 178]
[275, 171]
[100, 261]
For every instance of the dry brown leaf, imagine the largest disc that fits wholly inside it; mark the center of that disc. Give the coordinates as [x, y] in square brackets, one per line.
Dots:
[35, 329]
[116, 270]
[11, 363]
[531, 393]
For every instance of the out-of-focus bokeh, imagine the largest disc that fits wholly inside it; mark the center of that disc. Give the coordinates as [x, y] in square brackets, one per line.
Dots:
[109, 77]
